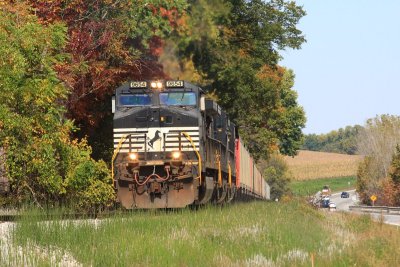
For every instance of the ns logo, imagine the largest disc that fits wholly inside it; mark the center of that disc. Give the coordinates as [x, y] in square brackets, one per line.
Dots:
[154, 139]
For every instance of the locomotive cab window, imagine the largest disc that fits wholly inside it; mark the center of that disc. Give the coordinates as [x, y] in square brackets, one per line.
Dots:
[178, 99]
[218, 124]
[135, 100]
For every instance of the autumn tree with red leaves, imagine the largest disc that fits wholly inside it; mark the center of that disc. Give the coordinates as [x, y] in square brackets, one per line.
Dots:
[109, 42]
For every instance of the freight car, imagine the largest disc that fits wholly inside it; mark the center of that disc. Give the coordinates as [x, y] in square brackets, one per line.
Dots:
[173, 147]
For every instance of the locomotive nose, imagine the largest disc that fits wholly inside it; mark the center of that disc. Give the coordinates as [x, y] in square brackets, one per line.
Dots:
[163, 117]
[154, 115]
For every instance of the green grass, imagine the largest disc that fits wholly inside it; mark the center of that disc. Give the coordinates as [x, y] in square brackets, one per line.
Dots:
[246, 234]
[214, 236]
[310, 187]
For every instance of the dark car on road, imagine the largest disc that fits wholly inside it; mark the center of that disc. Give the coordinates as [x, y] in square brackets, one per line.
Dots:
[345, 195]
[325, 202]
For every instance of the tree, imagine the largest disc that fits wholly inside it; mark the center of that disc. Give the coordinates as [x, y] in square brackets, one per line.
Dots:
[109, 42]
[378, 142]
[393, 187]
[340, 141]
[41, 159]
[387, 189]
[238, 59]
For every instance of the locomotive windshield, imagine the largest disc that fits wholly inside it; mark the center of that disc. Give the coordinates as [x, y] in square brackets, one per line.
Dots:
[135, 100]
[178, 99]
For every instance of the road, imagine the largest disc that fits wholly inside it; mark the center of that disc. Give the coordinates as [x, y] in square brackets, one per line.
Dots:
[344, 203]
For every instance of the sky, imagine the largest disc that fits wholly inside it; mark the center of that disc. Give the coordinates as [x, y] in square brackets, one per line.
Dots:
[349, 69]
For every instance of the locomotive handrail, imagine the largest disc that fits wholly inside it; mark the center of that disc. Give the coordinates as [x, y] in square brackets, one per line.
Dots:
[116, 151]
[229, 174]
[196, 151]
[219, 142]
[216, 141]
[219, 171]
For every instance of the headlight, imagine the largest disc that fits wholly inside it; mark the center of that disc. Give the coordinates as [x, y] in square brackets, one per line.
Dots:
[156, 85]
[176, 155]
[133, 156]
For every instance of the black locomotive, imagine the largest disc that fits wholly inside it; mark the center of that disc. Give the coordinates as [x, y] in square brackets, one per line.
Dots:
[173, 147]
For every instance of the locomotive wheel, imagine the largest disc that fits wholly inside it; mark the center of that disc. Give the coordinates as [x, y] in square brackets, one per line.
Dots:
[222, 193]
[231, 193]
[206, 190]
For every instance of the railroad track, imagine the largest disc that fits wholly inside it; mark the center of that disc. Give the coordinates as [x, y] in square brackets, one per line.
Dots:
[8, 215]
[8, 218]
[15, 216]
[45, 217]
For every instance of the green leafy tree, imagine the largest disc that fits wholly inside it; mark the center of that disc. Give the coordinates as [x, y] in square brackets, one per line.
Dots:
[237, 55]
[41, 159]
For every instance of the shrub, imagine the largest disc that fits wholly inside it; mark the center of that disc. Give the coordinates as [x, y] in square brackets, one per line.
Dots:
[277, 176]
[89, 186]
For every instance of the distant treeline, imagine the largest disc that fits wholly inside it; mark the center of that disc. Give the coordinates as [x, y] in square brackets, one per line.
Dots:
[340, 141]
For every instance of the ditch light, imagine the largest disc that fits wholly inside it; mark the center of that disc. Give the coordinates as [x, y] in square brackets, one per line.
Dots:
[176, 155]
[133, 156]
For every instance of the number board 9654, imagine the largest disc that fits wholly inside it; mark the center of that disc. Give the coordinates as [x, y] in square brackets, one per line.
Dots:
[139, 84]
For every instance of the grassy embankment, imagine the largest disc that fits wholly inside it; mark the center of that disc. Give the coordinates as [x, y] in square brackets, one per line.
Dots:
[246, 234]
[311, 170]
[310, 187]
